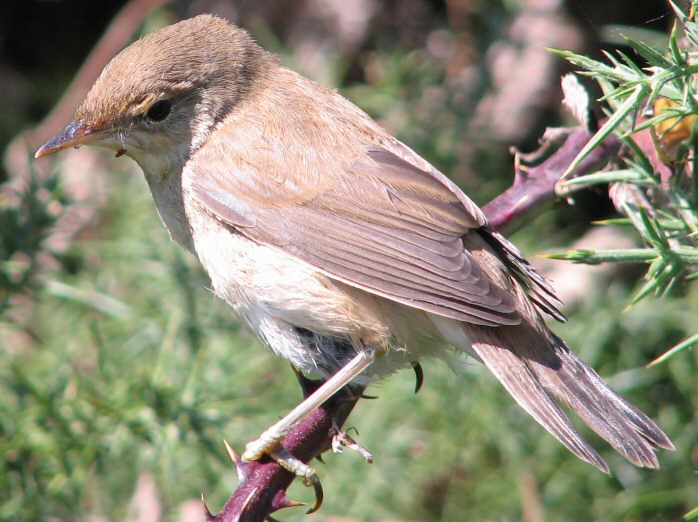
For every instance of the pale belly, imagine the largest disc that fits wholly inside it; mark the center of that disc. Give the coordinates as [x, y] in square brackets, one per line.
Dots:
[280, 297]
[256, 279]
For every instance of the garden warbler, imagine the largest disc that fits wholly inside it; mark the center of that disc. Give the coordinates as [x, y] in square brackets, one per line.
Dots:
[343, 250]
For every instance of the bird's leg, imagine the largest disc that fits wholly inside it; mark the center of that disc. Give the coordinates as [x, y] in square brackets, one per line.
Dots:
[341, 439]
[269, 442]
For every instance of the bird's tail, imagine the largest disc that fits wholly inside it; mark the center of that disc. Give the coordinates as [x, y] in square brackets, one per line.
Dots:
[537, 368]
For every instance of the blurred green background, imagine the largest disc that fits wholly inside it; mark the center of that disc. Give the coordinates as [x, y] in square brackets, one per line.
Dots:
[120, 373]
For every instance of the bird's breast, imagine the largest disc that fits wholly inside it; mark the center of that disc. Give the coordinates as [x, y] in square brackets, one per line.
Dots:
[259, 280]
[166, 189]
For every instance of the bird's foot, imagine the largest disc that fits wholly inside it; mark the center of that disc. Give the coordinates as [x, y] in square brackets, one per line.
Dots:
[342, 440]
[268, 444]
[271, 439]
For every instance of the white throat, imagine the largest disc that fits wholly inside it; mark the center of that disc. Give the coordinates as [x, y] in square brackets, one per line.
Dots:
[163, 172]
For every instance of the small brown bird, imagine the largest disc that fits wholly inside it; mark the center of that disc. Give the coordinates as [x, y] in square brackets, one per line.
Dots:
[347, 253]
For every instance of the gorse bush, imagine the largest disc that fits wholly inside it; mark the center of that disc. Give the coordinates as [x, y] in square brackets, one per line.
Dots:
[656, 184]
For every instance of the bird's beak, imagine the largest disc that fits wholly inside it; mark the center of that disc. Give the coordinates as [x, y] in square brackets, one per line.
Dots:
[75, 134]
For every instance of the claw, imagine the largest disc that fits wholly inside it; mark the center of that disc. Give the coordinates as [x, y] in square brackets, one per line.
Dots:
[419, 374]
[290, 463]
[319, 493]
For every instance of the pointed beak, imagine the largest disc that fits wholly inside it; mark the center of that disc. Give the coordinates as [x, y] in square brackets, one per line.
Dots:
[75, 134]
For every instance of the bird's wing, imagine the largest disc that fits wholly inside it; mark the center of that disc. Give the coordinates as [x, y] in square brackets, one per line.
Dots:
[370, 219]
[536, 286]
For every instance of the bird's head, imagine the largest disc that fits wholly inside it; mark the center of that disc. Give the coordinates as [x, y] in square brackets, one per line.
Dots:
[159, 99]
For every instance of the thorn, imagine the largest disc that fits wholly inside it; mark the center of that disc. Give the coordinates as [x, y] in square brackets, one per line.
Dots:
[246, 503]
[293, 503]
[308, 386]
[241, 467]
[319, 494]
[231, 453]
[319, 457]
[364, 396]
[419, 374]
[280, 501]
[207, 512]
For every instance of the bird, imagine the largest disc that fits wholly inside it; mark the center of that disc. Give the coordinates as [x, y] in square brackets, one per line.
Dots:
[342, 249]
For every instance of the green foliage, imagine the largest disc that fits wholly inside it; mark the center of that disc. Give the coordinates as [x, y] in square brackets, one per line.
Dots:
[128, 364]
[665, 215]
[26, 217]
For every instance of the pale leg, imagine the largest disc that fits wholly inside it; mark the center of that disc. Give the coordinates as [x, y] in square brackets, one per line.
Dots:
[269, 441]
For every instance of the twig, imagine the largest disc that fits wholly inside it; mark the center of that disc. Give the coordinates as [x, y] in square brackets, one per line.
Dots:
[535, 186]
[263, 484]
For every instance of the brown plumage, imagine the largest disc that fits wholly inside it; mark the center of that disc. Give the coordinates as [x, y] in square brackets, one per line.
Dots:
[310, 219]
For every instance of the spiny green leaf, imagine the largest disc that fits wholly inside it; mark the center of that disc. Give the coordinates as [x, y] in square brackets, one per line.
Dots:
[678, 11]
[626, 108]
[622, 222]
[691, 515]
[653, 56]
[630, 64]
[667, 114]
[676, 53]
[611, 176]
[650, 286]
[592, 257]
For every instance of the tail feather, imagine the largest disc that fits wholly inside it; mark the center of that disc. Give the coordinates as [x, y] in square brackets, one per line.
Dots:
[526, 388]
[536, 367]
[627, 429]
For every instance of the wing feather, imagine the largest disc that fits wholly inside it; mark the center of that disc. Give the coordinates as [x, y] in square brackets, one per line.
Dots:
[382, 225]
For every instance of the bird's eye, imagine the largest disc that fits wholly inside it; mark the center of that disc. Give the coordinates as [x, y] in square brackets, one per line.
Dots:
[159, 110]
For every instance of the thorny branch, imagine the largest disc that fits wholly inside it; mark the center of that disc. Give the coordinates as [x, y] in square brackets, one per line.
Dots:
[262, 488]
[535, 186]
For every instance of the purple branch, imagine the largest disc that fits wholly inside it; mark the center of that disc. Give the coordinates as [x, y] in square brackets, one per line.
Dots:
[534, 186]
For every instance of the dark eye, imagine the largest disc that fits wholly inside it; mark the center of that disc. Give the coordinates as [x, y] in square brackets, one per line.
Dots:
[159, 110]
